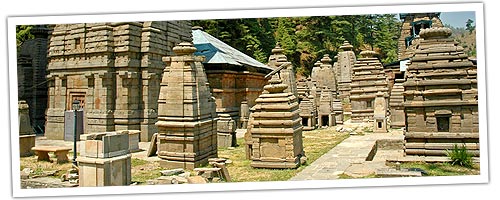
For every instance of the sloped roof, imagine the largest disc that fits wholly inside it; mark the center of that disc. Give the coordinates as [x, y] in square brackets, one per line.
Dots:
[217, 51]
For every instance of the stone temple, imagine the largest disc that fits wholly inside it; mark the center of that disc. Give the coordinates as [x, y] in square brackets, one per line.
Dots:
[441, 97]
[368, 79]
[275, 129]
[187, 126]
[114, 69]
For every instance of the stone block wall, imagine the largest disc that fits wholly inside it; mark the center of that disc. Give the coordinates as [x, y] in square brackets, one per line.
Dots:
[114, 69]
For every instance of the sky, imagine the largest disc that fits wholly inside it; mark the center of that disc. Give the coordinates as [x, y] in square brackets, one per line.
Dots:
[457, 19]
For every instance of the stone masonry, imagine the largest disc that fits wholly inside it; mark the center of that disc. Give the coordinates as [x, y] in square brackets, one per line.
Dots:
[114, 69]
[187, 126]
[287, 74]
[26, 136]
[396, 107]
[441, 97]
[368, 79]
[343, 68]
[275, 131]
[410, 29]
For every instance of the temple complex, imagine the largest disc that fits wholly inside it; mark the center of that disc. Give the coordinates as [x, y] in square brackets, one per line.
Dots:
[187, 126]
[368, 79]
[441, 97]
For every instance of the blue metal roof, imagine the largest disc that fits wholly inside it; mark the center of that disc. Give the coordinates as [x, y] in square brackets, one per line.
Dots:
[217, 51]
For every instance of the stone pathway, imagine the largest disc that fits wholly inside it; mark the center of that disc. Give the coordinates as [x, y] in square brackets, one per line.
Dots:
[357, 156]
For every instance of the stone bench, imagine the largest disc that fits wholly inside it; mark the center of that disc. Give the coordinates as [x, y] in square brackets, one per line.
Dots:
[43, 153]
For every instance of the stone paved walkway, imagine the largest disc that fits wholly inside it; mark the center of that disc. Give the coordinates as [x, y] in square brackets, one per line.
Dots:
[356, 156]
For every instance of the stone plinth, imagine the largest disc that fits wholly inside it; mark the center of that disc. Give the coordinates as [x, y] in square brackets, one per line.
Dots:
[226, 131]
[26, 142]
[441, 97]
[368, 79]
[396, 107]
[105, 145]
[187, 126]
[275, 133]
[96, 172]
[105, 160]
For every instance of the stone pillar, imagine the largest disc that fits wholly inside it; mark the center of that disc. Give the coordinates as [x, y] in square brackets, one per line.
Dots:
[26, 136]
[276, 129]
[187, 129]
[244, 114]
[380, 114]
[226, 131]
[105, 160]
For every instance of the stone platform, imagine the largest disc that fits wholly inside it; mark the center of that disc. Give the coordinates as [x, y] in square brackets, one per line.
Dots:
[357, 156]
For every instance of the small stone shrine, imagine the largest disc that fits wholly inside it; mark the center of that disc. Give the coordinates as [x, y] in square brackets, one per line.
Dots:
[226, 131]
[105, 160]
[275, 132]
[325, 75]
[308, 112]
[396, 107]
[380, 113]
[326, 116]
[368, 79]
[26, 136]
[441, 97]
[187, 127]
[343, 67]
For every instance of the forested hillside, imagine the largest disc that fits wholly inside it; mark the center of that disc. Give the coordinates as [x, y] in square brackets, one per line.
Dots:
[307, 39]
[466, 37]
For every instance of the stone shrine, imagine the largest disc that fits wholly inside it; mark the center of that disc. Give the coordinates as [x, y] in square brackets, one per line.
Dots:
[308, 112]
[380, 113]
[187, 126]
[275, 130]
[114, 69]
[26, 137]
[368, 79]
[226, 131]
[325, 75]
[326, 116]
[343, 68]
[441, 97]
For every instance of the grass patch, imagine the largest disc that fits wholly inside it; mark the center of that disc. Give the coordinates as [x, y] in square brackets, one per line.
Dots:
[345, 176]
[316, 143]
[39, 167]
[443, 169]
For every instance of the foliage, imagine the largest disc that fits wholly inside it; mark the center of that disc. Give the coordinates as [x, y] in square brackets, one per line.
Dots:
[441, 169]
[460, 156]
[23, 33]
[306, 39]
[469, 25]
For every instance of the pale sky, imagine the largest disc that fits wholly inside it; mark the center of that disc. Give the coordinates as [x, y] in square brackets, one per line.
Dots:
[457, 19]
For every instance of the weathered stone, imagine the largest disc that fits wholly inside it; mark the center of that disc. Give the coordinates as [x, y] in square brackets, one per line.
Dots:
[396, 101]
[287, 75]
[114, 69]
[368, 79]
[172, 172]
[98, 172]
[196, 180]
[267, 145]
[187, 127]
[440, 102]
[413, 24]
[105, 145]
[380, 113]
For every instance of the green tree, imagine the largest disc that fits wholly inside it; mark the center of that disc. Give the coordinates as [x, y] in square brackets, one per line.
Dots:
[23, 33]
[469, 25]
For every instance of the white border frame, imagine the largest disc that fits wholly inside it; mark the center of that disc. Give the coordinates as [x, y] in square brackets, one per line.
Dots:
[251, 13]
